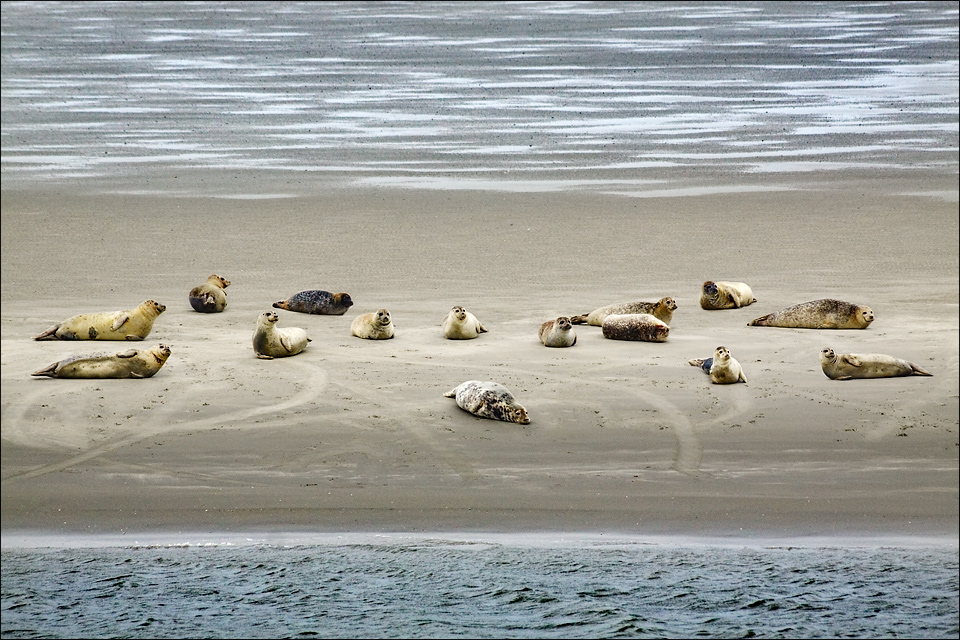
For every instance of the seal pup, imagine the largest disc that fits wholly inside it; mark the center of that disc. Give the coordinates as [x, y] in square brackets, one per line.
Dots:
[558, 333]
[847, 366]
[825, 313]
[133, 324]
[635, 326]
[271, 341]
[725, 295]
[460, 324]
[722, 367]
[662, 309]
[488, 400]
[375, 325]
[210, 296]
[132, 363]
[317, 301]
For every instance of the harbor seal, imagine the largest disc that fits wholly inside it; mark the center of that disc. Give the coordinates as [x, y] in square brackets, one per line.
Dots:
[488, 400]
[722, 367]
[725, 295]
[662, 309]
[460, 324]
[271, 341]
[375, 325]
[818, 314]
[133, 324]
[132, 363]
[210, 296]
[558, 333]
[847, 366]
[318, 302]
[635, 326]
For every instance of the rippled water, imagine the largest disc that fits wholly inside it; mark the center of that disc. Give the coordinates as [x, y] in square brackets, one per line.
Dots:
[449, 588]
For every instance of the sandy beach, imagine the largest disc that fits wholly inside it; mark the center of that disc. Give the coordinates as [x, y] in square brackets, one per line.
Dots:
[355, 435]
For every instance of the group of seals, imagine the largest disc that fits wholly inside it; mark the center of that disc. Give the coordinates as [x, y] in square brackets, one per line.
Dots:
[271, 341]
[210, 296]
[722, 367]
[376, 325]
[460, 324]
[132, 363]
[133, 324]
[488, 399]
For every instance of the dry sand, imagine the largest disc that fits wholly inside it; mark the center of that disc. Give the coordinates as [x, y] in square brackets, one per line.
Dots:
[355, 435]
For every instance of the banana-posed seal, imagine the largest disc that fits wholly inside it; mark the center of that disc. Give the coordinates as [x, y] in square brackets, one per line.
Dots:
[271, 341]
[725, 295]
[488, 399]
[460, 324]
[376, 325]
[132, 363]
[662, 309]
[318, 302]
[722, 367]
[210, 296]
[635, 326]
[847, 366]
[825, 313]
[558, 333]
[133, 324]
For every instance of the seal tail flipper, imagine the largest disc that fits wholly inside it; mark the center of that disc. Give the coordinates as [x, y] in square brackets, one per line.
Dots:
[696, 362]
[917, 371]
[50, 371]
[578, 319]
[760, 322]
[49, 334]
[451, 394]
[280, 305]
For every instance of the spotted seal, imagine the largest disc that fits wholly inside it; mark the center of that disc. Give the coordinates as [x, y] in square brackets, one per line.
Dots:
[133, 324]
[725, 295]
[376, 325]
[722, 367]
[847, 366]
[271, 341]
[132, 363]
[558, 333]
[825, 313]
[210, 296]
[635, 326]
[662, 309]
[460, 324]
[488, 400]
[318, 302]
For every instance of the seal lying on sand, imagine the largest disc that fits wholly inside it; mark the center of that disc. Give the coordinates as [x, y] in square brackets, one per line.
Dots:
[460, 324]
[722, 367]
[375, 325]
[271, 341]
[558, 333]
[210, 296]
[818, 314]
[134, 324]
[488, 400]
[635, 326]
[662, 309]
[847, 366]
[132, 363]
[725, 295]
[318, 302]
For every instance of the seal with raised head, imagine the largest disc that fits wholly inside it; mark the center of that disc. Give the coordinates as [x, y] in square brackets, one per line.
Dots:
[210, 296]
[271, 341]
[133, 324]
[488, 399]
[847, 366]
[132, 363]
[662, 309]
[722, 367]
[317, 301]
[635, 326]
[725, 295]
[825, 313]
[460, 324]
[558, 333]
[376, 325]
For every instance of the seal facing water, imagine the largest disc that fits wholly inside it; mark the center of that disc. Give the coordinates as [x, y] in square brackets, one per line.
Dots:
[722, 367]
[376, 325]
[848, 366]
[825, 313]
[460, 324]
[725, 295]
[210, 296]
[271, 341]
[488, 400]
[318, 302]
[132, 363]
[662, 309]
[643, 327]
[133, 324]
[558, 333]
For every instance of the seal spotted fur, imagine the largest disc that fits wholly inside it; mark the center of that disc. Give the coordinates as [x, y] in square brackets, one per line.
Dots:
[488, 400]
[376, 325]
[132, 363]
[271, 341]
[133, 324]
[725, 295]
[210, 296]
[318, 302]
[460, 324]
[558, 333]
[722, 367]
[825, 313]
[848, 366]
[662, 309]
[635, 326]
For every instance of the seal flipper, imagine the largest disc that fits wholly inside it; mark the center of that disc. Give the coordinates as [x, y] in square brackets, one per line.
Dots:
[119, 321]
[49, 334]
[129, 353]
[50, 371]
[578, 319]
[917, 371]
